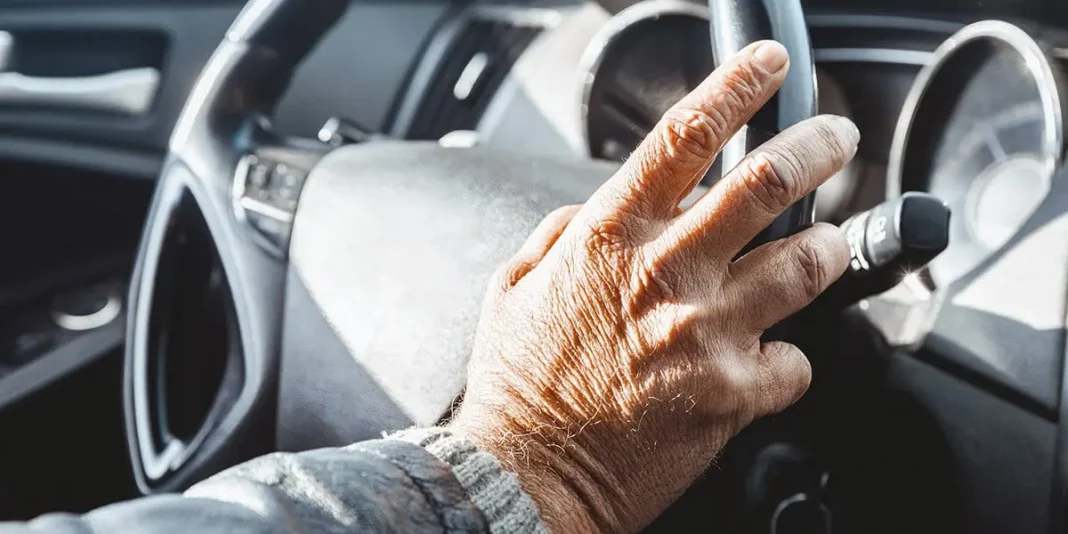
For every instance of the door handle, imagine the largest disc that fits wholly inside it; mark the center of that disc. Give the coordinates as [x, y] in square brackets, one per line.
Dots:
[128, 91]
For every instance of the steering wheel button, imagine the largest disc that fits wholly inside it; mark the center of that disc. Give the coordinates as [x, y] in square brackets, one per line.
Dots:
[285, 199]
[285, 176]
[258, 175]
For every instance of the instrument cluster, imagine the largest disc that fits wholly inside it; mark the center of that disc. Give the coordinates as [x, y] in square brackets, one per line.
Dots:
[982, 129]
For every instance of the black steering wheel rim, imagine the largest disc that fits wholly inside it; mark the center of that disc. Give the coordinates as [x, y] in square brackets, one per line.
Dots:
[241, 84]
[226, 119]
[736, 23]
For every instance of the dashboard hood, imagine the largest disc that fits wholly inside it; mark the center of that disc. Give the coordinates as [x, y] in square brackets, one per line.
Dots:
[392, 249]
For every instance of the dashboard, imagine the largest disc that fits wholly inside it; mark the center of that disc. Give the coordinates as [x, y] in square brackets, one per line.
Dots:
[953, 405]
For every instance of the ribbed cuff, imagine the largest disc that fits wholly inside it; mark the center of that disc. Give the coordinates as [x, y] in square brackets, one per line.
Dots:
[494, 490]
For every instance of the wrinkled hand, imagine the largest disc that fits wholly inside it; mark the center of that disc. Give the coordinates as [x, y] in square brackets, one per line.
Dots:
[620, 349]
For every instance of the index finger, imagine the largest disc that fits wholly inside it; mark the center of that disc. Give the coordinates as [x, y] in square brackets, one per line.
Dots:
[667, 165]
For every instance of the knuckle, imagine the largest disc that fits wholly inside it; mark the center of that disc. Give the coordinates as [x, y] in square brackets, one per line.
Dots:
[606, 236]
[809, 258]
[774, 178]
[831, 142]
[835, 247]
[693, 134]
[742, 85]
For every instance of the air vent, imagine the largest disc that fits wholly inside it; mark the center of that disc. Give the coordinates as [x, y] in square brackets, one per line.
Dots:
[479, 58]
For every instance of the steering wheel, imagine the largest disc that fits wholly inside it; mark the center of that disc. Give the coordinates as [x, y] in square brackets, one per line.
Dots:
[259, 322]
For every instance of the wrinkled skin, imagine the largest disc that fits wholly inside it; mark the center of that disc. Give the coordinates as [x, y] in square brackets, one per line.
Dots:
[620, 349]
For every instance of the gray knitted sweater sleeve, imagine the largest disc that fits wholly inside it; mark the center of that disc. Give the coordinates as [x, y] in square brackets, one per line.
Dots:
[417, 481]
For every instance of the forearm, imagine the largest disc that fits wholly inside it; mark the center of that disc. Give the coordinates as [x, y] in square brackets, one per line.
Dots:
[376, 486]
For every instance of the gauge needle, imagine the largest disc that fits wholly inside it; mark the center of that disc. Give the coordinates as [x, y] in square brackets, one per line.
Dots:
[994, 144]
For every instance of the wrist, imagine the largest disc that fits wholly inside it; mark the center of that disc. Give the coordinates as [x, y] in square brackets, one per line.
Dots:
[566, 493]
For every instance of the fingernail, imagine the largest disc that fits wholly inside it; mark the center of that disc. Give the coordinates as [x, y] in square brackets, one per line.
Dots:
[771, 55]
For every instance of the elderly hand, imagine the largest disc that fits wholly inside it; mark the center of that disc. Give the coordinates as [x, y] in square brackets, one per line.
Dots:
[620, 349]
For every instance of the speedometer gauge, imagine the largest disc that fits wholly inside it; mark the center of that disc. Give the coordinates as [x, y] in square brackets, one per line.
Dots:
[983, 130]
[995, 161]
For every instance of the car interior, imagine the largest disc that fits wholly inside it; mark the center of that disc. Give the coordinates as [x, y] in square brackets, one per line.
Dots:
[234, 228]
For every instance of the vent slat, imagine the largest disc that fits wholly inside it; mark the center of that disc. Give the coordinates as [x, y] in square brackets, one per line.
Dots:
[439, 92]
[440, 112]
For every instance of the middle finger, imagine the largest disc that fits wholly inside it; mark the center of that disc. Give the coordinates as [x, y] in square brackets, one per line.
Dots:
[770, 179]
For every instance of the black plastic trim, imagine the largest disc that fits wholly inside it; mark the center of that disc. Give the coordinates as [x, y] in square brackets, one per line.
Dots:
[144, 165]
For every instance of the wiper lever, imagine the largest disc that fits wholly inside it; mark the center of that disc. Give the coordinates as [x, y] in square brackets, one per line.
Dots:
[887, 243]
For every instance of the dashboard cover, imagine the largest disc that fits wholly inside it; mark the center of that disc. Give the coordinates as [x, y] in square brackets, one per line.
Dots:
[392, 248]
